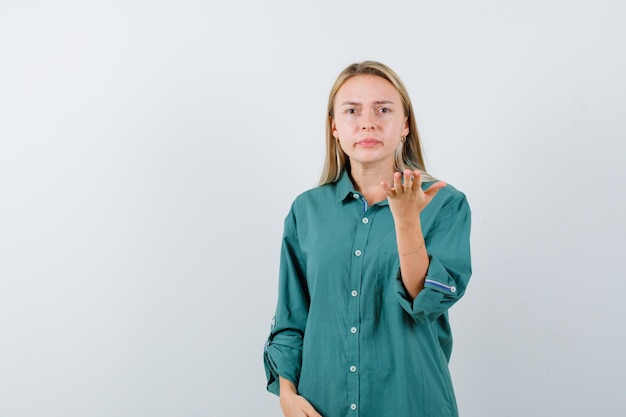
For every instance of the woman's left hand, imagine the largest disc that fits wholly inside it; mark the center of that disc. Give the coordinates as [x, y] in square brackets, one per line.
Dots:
[407, 198]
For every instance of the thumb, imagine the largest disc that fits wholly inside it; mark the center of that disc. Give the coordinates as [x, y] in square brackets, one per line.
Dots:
[434, 189]
[310, 411]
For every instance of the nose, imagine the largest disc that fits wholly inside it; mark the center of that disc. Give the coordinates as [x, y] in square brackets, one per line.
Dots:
[367, 121]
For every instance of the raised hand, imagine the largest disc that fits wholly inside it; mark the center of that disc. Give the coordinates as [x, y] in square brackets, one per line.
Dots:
[406, 198]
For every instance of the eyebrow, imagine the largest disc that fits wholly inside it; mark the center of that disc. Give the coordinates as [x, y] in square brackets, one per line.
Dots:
[356, 103]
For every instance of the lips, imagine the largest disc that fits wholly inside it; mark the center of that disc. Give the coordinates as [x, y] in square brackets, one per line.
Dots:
[368, 143]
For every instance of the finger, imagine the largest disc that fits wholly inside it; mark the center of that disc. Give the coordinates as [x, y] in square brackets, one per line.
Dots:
[417, 181]
[408, 179]
[388, 190]
[397, 182]
[309, 410]
[434, 189]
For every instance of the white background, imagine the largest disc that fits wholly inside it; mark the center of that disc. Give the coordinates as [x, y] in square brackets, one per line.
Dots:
[149, 151]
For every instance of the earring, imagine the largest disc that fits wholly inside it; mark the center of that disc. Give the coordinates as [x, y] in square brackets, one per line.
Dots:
[402, 139]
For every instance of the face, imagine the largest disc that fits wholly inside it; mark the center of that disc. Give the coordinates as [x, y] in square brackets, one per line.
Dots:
[369, 120]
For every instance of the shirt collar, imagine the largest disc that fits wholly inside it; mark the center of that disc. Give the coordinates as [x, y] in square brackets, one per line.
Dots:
[345, 189]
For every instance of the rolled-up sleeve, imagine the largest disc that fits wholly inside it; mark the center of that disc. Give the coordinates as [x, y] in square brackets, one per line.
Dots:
[449, 271]
[283, 349]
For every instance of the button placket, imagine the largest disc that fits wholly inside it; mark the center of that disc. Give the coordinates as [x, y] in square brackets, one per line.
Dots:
[359, 249]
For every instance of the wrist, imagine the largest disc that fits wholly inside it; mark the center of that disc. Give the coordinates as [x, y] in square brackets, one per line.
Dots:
[287, 388]
[410, 221]
[414, 250]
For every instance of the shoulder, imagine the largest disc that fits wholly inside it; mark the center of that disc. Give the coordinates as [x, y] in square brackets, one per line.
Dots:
[449, 193]
[308, 206]
[449, 201]
[320, 194]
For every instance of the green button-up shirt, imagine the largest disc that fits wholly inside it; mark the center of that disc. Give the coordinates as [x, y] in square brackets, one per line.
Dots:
[346, 332]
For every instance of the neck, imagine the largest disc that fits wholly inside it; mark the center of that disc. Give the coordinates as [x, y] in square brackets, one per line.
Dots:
[367, 180]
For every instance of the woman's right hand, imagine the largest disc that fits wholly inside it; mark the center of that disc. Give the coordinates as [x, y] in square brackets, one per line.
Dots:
[292, 404]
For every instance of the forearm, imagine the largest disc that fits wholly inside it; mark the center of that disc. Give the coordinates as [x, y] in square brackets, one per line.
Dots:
[413, 255]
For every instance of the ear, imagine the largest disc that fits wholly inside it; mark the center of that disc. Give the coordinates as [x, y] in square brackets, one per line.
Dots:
[333, 127]
[405, 129]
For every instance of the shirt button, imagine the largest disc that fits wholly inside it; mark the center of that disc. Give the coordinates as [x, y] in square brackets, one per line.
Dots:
[357, 252]
[353, 368]
[352, 407]
[354, 293]
[353, 330]
[355, 195]
[452, 289]
[365, 220]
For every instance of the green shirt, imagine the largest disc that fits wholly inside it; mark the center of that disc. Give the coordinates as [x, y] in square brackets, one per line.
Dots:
[345, 332]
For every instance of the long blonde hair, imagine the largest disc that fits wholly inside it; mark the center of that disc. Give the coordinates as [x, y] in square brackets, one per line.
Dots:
[410, 157]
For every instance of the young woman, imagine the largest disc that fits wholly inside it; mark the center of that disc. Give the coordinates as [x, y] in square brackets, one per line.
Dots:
[371, 261]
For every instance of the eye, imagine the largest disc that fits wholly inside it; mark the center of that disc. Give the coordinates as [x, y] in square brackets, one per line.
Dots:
[384, 110]
[351, 110]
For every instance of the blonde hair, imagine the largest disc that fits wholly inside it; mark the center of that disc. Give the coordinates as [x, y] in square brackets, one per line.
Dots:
[411, 155]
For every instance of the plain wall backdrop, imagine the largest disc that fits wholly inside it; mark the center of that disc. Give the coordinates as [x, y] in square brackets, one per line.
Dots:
[149, 151]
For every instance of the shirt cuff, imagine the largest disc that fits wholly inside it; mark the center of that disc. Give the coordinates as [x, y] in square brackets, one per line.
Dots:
[282, 357]
[429, 303]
